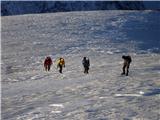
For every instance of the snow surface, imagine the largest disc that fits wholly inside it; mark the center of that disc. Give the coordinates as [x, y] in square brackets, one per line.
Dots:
[30, 93]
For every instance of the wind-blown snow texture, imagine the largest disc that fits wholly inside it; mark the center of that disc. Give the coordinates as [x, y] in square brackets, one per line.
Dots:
[30, 93]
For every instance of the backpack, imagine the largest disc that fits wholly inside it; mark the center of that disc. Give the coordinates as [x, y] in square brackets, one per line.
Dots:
[85, 62]
[48, 61]
[61, 61]
[129, 59]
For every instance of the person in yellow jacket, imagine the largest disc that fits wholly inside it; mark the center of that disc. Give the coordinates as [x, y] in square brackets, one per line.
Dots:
[60, 64]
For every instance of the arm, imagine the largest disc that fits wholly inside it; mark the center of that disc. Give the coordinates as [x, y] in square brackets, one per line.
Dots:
[88, 62]
[64, 64]
[51, 61]
[44, 63]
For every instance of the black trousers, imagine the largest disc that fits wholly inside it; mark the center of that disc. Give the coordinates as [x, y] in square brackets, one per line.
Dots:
[47, 67]
[126, 66]
[60, 68]
[86, 68]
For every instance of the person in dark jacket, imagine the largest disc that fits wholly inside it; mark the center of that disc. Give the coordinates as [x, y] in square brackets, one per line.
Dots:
[47, 63]
[86, 64]
[126, 64]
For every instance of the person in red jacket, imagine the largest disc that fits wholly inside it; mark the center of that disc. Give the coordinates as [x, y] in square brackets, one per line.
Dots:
[47, 63]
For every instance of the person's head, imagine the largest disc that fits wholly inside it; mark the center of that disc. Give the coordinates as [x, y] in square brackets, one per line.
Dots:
[84, 58]
[60, 58]
[123, 57]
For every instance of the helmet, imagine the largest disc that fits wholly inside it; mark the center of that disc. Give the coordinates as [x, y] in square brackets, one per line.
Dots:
[123, 56]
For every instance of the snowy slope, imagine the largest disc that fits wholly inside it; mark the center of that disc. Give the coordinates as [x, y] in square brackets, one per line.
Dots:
[30, 93]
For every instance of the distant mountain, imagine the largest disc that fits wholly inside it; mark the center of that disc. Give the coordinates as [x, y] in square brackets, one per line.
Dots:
[28, 7]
